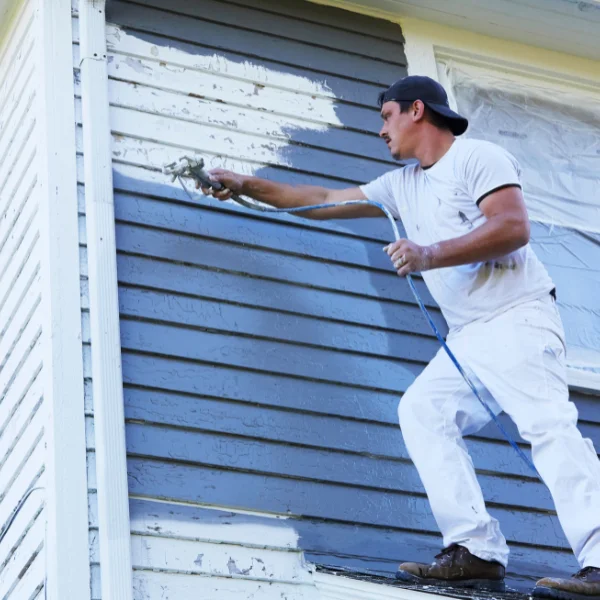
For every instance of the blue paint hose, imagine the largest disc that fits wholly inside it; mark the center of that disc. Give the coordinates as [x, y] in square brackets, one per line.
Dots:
[195, 170]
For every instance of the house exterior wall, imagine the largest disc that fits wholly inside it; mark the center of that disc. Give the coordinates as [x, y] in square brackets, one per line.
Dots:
[43, 548]
[22, 409]
[263, 357]
[285, 350]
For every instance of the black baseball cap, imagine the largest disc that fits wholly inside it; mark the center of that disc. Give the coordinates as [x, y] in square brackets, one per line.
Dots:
[431, 93]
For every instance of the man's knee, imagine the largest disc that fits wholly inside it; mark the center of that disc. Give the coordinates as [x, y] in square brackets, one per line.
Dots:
[414, 409]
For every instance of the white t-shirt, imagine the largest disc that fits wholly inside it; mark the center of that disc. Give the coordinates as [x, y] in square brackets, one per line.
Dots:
[442, 202]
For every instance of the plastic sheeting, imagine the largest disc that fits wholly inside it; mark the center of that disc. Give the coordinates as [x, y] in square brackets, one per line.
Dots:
[555, 136]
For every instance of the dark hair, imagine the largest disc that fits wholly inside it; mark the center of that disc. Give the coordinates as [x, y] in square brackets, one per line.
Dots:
[434, 118]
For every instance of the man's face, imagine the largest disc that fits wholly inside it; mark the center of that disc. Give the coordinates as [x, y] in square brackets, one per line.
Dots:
[398, 130]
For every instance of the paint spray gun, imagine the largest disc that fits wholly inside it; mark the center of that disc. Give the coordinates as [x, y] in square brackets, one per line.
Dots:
[193, 168]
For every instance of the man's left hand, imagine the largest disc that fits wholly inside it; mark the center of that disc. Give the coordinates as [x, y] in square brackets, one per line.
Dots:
[408, 257]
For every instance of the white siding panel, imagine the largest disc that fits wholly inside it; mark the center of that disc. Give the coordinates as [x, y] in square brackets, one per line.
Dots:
[19, 303]
[222, 560]
[16, 130]
[24, 314]
[23, 255]
[27, 279]
[21, 385]
[22, 452]
[15, 240]
[258, 555]
[28, 474]
[31, 585]
[150, 585]
[15, 58]
[22, 414]
[18, 175]
[20, 419]
[22, 524]
[25, 554]
[181, 522]
[18, 356]
[133, 144]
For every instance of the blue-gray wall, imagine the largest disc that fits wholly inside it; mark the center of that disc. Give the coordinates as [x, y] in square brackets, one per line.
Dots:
[264, 357]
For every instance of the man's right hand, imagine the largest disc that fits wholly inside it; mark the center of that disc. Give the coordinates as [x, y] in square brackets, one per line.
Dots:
[232, 184]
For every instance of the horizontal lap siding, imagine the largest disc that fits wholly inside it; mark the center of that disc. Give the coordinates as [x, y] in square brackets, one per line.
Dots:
[271, 320]
[22, 445]
[263, 356]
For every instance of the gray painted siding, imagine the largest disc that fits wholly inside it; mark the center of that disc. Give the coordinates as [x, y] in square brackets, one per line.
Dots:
[22, 447]
[264, 357]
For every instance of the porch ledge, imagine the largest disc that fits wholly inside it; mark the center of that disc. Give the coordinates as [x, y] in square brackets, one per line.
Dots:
[334, 584]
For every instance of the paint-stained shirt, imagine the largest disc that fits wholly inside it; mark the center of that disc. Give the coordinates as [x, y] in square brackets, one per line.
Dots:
[441, 202]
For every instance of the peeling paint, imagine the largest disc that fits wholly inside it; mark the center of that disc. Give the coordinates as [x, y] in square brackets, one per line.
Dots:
[137, 65]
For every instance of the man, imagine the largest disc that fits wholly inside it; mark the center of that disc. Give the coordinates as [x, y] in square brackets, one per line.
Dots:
[462, 208]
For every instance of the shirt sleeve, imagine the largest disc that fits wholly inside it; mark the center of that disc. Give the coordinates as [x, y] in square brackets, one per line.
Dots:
[382, 190]
[490, 168]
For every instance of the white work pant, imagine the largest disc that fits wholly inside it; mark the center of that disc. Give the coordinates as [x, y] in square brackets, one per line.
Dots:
[517, 362]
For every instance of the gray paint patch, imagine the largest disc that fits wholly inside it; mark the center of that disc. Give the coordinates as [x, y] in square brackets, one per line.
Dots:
[234, 570]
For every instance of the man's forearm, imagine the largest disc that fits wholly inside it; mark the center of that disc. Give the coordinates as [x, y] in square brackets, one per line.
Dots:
[495, 238]
[282, 195]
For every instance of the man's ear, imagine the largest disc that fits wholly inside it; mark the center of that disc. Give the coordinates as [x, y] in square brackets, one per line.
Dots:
[418, 111]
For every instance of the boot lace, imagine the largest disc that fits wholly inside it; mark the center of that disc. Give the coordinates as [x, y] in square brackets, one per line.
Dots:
[451, 549]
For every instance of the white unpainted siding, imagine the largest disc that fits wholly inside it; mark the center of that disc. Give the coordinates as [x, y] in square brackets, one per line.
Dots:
[229, 555]
[22, 414]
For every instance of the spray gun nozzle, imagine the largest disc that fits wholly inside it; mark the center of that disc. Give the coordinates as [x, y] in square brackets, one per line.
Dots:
[187, 166]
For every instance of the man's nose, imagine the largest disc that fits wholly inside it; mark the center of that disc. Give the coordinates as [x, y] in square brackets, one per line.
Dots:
[382, 132]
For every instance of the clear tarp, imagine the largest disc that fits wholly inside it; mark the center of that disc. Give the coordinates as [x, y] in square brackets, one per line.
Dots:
[554, 133]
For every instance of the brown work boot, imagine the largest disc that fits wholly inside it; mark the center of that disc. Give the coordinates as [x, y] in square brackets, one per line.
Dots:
[455, 566]
[584, 585]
